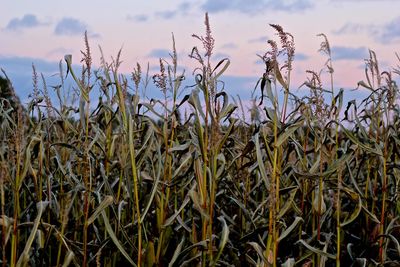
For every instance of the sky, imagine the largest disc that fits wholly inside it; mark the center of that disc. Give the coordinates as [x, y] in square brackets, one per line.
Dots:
[42, 32]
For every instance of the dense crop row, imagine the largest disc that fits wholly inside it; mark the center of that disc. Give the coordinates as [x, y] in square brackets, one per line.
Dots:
[306, 181]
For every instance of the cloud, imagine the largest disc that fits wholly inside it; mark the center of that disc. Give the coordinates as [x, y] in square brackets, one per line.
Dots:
[71, 26]
[296, 5]
[159, 53]
[259, 61]
[138, 18]
[300, 57]
[220, 56]
[185, 7]
[390, 31]
[256, 6]
[215, 6]
[349, 53]
[356, 28]
[363, 0]
[350, 28]
[181, 9]
[27, 21]
[169, 14]
[297, 57]
[19, 70]
[261, 39]
[239, 85]
[384, 33]
[24, 64]
[60, 51]
[229, 46]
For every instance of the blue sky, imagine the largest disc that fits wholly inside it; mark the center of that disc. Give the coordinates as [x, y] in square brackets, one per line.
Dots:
[42, 32]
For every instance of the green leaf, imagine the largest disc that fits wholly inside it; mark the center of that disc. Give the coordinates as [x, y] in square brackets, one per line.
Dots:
[185, 164]
[290, 262]
[84, 94]
[316, 250]
[224, 238]
[288, 133]
[195, 102]
[363, 84]
[69, 257]
[279, 77]
[290, 228]
[225, 66]
[114, 238]
[270, 94]
[171, 219]
[356, 141]
[288, 203]
[176, 253]
[353, 181]
[357, 209]
[260, 162]
[371, 215]
[107, 201]
[41, 206]
[259, 251]
[396, 243]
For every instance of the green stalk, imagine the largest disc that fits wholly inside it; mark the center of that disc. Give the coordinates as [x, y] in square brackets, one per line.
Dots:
[275, 182]
[15, 237]
[286, 86]
[127, 120]
[320, 188]
[87, 183]
[3, 228]
[204, 189]
[85, 163]
[136, 189]
[174, 83]
[85, 227]
[167, 179]
[384, 196]
[272, 238]
[339, 177]
[314, 219]
[15, 234]
[338, 230]
[213, 185]
[304, 182]
[338, 207]
[277, 165]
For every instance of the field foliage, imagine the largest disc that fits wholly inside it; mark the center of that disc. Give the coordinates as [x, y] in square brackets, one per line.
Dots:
[190, 179]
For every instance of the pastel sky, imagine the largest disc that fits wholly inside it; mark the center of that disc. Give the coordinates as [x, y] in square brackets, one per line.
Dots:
[42, 32]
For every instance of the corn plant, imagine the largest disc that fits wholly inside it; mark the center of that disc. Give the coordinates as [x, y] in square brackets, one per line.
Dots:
[104, 175]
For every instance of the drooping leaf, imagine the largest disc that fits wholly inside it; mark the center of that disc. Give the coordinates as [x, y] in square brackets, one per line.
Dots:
[288, 230]
[261, 166]
[176, 253]
[357, 209]
[288, 133]
[107, 201]
[114, 238]
[41, 206]
[316, 250]
[224, 238]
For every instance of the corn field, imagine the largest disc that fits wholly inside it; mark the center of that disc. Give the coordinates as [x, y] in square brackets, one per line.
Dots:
[198, 178]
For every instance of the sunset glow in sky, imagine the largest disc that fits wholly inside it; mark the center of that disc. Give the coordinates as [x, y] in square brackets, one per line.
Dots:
[42, 32]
